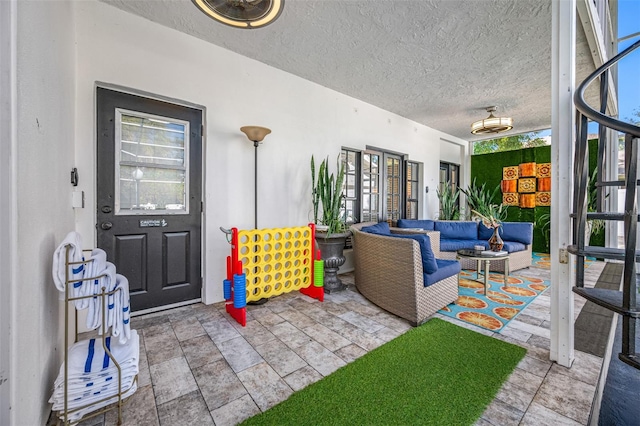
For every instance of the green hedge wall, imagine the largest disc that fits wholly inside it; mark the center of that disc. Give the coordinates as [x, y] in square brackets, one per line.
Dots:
[488, 168]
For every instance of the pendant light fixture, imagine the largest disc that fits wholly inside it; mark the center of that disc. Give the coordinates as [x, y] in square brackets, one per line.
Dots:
[242, 13]
[492, 124]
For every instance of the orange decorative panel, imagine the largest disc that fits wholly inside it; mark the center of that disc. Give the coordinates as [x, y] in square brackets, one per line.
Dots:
[544, 170]
[510, 198]
[544, 184]
[543, 198]
[510, 173]
[527, 185]
[509, 186]
[527, 170]
[527, 201]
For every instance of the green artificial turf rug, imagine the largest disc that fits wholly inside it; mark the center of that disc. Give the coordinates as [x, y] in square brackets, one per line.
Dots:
[435, 374]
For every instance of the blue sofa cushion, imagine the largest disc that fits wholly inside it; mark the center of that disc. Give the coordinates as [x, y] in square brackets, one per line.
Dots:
[513, 246]
[446, 268]
[425, 224]
[457, 230]
[429, 264]
[451, 244]
[521, 232]
[380, 228]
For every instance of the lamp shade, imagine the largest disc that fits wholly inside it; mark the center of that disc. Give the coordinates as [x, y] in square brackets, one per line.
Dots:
[255, 133]
[492, 124]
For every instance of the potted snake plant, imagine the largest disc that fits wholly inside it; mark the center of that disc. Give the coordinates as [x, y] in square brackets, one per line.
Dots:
[329, 215]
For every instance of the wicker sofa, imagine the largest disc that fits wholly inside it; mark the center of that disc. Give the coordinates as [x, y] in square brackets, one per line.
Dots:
[389, 272]
[455, 235]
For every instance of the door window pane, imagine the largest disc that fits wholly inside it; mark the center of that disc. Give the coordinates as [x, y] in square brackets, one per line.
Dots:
[392, 190]
[412, 188]
[370, 186]
[449, 175]
[151, 164]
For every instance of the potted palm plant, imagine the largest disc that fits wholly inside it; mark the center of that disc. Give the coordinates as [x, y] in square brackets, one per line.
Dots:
[329, 216]
[448, 196]
[479, 197]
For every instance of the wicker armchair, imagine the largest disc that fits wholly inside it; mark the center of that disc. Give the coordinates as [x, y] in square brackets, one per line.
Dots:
[388, 272]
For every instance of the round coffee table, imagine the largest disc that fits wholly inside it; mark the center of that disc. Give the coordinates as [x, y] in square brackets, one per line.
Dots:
[485, 259]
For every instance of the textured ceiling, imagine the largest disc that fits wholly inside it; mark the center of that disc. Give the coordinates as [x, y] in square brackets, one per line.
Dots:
[437, 62]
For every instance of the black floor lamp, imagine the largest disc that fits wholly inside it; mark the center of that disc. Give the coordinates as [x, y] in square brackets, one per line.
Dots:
[255, 134]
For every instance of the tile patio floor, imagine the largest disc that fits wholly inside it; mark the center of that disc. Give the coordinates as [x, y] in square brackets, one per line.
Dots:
[199, 367]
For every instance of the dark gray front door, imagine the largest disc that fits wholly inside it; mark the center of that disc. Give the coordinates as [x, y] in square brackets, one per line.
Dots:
[149, 178]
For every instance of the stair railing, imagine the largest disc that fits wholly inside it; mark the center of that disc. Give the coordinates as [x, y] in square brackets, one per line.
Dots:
[622, 302]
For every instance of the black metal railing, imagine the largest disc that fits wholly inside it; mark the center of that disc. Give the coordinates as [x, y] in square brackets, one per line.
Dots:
[622, 302]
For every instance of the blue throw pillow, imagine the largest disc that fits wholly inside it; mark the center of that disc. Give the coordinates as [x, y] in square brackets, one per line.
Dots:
[381, 228]
[425, 224]
[462, 230]
[429, 265]
[485, 233]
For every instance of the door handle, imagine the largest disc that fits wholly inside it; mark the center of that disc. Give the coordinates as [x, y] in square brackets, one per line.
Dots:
[106, 225]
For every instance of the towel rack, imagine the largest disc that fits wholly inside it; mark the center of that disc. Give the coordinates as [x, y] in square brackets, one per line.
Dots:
[63, 414]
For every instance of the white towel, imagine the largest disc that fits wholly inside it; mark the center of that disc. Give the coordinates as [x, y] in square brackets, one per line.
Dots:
[77, 415]
[94, 387]
[92, 375]
[88, 356]
[96, 380]
[94, 317]
[94, 268]
[74, 241]
[90, 391]
[119, 314]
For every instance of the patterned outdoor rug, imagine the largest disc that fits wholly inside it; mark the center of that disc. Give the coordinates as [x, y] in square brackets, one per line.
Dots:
[543, 260]
[500, 305]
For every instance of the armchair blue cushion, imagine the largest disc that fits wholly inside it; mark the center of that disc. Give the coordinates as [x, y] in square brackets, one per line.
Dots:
[521, 232]
[380, 228]
[429, 265]
[446, 268]
[425, 224]
[513, 246]
[457, 230]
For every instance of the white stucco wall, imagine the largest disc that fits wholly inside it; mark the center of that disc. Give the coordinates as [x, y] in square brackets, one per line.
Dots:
[453, 151]
[305, 118]
[45, 155]
[8, 127]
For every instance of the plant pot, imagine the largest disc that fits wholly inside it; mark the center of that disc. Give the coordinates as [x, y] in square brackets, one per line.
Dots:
[331, 251]
[495, 242]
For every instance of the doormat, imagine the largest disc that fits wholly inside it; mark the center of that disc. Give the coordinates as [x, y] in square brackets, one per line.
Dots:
[500, 305]
[435, 374]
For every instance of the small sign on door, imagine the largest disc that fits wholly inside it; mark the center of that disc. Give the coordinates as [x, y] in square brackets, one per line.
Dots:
[151, 223]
